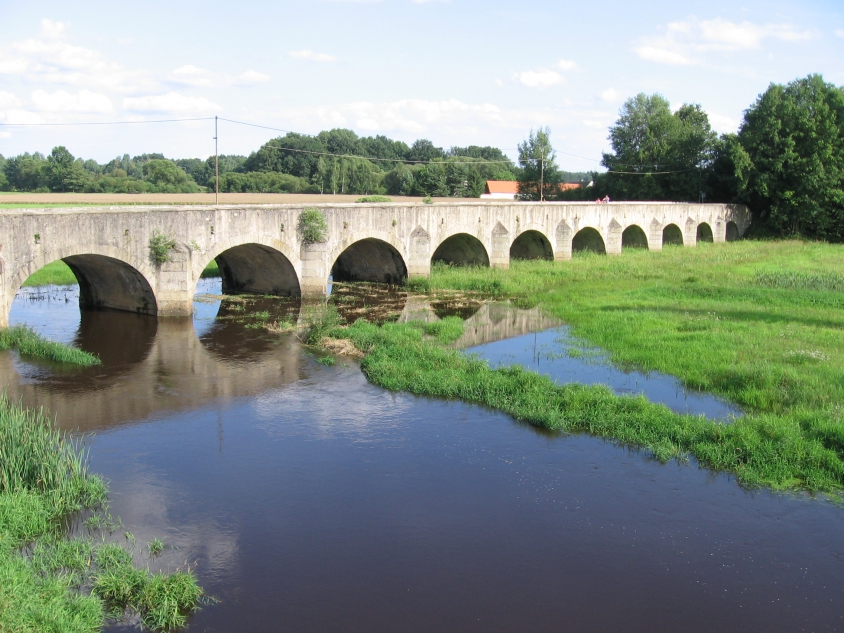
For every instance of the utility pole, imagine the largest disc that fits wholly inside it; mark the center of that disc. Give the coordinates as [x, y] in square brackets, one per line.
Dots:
[216, 167]
[542, 177]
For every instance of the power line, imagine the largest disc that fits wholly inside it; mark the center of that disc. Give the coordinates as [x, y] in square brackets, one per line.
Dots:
[206, 118]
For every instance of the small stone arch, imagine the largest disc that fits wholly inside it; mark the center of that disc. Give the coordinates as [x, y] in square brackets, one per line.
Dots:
[370, 259]
[704, 233]
[461, 249]
[588, 239]
[732, 233]
[634, 237]
[531, 245]
[672, 234]
[109, 279]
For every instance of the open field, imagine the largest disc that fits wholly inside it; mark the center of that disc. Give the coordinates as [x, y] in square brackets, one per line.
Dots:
[759, 323]
[73, 199]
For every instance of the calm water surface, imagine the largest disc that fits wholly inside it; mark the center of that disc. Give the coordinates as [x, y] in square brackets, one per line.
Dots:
[310, 500]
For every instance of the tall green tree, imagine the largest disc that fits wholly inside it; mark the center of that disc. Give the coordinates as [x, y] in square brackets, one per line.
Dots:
[657, 154]
[63, 172]
[539, 176]
[790, 164]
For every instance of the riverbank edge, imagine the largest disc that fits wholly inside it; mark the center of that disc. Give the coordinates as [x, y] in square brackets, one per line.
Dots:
[50, 582]
[759, 449]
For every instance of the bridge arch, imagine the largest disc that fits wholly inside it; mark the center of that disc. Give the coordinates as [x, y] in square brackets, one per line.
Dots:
[672, 234]
[109, 278]
[634, 237]
[369, 259]
[732, 232]
[588, 239]
[257, 267]
[704, 232]
[461, 249]
[531, 244]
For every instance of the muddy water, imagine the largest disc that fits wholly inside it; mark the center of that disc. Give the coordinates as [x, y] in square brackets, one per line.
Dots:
[309, 500]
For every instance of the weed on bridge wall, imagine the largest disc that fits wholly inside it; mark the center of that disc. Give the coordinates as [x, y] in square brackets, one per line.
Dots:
[160, 246]
[313, 226]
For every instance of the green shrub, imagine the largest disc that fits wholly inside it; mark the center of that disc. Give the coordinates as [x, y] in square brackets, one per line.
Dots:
[160, 246]
[313, 226]
[374, 199]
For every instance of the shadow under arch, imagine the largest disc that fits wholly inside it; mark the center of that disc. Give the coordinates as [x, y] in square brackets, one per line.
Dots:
[672, 234]
[588, 239]
[704, 232]
[257, 269]
[732, 233]
[531, 245]
[370, 259]
[107, 283]
[461, 249]
[634, 237]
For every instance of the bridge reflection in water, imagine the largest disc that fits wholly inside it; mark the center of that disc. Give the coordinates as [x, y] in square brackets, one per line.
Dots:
[152, 366]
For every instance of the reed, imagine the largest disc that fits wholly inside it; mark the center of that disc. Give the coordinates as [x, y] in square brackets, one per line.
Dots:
[28, 342]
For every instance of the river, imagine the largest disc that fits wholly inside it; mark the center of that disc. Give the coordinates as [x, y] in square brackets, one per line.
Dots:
[309, 500]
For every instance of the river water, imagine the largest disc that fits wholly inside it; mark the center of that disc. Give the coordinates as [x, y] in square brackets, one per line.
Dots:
[310, 500]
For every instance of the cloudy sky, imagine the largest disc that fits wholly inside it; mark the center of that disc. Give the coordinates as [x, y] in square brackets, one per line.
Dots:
[457, 72]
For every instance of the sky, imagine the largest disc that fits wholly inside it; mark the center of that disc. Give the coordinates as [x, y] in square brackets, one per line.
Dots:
[457, 72]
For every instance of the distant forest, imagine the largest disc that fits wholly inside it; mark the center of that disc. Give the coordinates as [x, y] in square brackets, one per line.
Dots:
[294, 163]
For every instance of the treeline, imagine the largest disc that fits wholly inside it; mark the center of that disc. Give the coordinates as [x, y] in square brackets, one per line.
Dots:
[335, 161]
[786, 162]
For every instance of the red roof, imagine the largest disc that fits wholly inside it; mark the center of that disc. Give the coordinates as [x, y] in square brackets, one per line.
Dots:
[502, 186]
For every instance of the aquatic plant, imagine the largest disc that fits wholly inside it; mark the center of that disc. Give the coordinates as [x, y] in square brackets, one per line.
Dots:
[29, 343]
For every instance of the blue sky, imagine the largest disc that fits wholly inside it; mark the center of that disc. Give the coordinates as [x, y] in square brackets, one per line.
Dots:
[457, 72]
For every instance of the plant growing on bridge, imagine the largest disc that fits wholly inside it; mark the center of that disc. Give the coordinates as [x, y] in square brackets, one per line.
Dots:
[160, 246]
[313, 226]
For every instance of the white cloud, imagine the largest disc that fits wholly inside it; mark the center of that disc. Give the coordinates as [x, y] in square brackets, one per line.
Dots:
[62, 101]
[609, 94]
[170, 103]
[52, 29]
[190, 75]
[684, 43]
[8, 100]
[722, 124]
[312, 56]
[566, 65]
[253, 77]
[22, 116]
[540, 79]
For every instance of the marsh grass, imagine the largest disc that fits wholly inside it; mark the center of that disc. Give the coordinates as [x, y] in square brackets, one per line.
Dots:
[48, 581]
[696, 313]
[27, 342]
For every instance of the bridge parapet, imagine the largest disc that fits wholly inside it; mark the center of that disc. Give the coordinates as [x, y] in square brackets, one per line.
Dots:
[259, 248]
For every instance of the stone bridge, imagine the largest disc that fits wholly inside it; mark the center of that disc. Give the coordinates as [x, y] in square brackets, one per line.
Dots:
[260, 248]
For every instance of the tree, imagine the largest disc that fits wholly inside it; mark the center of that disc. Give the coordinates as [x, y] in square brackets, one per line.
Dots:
[424, 150]
[63, 172]
[168, 177]
[539, 175]
[664, 153]
[790, 159]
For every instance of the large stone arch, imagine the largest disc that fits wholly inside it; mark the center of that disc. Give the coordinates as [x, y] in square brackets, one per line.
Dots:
[255, 266]
[531, 244]
[671, 234]
[369, 259]
[704, 233]
[588, 239]
[109, 278]
[634, 237]
[461, 249]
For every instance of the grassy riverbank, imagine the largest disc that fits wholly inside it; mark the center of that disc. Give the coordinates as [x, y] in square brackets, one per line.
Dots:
[29, 343]
[759, 323]
[48, 581]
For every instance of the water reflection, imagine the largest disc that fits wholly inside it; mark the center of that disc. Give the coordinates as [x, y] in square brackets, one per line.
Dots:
[555, 353]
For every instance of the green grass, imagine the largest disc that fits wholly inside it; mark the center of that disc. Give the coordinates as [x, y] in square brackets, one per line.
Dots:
[211, 270]
[48, 581]
[700, 314]
[27, 342]
[56, 272]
